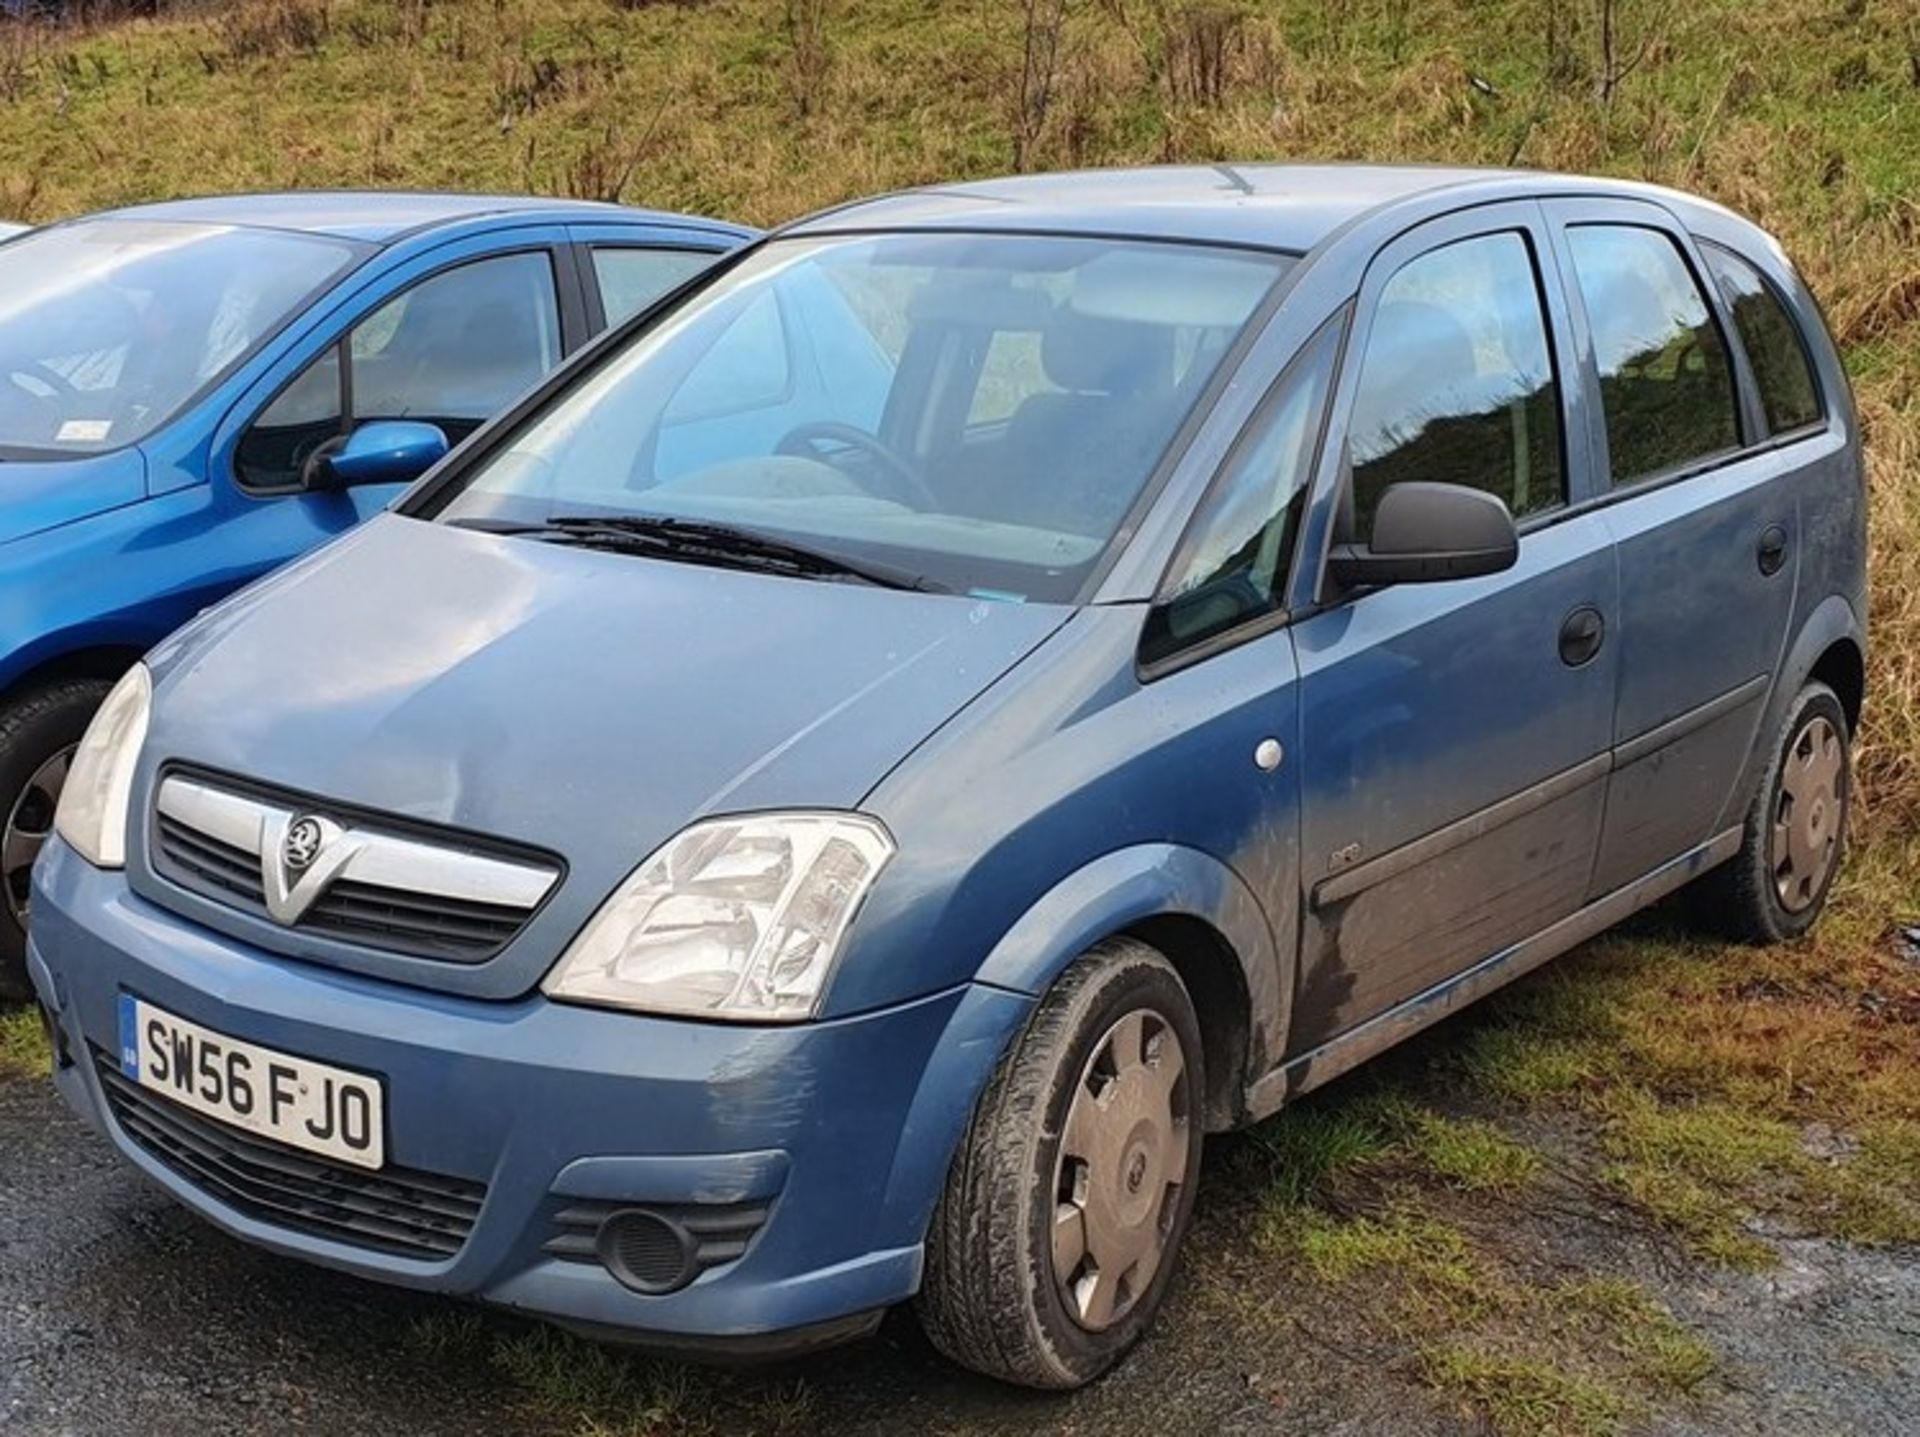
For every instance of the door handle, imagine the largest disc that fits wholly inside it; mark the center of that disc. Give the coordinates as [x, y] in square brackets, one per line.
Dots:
[1581, 636]
[1772, 550]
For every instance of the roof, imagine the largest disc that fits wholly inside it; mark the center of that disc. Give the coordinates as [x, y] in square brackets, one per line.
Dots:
[1290, 207]
[383, 216]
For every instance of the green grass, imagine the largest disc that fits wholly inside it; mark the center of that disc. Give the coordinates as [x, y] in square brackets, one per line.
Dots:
[23, 1044]
[1526, 1397]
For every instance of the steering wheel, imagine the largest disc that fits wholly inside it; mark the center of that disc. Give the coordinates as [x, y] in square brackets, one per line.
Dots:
[32, 368]
[802, 442]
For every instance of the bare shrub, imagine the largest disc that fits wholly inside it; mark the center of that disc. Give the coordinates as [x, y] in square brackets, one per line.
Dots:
[1201, 40]
[807, 56]
[270, 29]
[605, 166]
[1624, 46]
[1043, 23]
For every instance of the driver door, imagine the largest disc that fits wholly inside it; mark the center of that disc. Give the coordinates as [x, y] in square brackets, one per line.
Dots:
[1454, 734]
[450, 340]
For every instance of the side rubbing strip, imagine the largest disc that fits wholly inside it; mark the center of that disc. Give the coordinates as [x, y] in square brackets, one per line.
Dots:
[1377, 1034]
[1391, 864]
[1394, 862]
[1674, 729]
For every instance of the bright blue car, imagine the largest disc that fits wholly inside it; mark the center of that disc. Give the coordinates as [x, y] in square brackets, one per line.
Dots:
[726, 855]
[194, 393]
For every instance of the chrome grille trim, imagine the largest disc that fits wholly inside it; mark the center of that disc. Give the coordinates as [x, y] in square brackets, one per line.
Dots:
[384, 860]
[368, 884]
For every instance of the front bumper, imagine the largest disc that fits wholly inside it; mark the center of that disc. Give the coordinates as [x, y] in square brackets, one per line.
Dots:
[843, 1129]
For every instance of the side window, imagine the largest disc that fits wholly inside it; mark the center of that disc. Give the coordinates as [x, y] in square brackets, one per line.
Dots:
[457, 348]
[1011, 373]
[453, 351]
[1775, 346]
[309, 412]
[1458, 385]
[1232, 564]
[632, 279]
[1665, 384]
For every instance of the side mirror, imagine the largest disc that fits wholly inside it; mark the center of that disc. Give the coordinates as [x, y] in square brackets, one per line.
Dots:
[1423, 533]
[388, 451]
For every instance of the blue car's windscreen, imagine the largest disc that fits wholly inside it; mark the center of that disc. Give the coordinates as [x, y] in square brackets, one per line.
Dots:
[979, 410]
[107, 327]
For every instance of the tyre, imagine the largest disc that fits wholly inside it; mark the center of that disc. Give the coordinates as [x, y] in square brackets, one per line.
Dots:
[38, 734]
[1795, 832]
[1051, 1249]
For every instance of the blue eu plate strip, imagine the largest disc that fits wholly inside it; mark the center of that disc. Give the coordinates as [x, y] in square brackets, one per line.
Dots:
[129, 1037]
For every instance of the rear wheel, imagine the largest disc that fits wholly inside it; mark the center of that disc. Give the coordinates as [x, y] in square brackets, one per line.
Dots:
[1052, 1247]
[1795, 831]
[38, 734]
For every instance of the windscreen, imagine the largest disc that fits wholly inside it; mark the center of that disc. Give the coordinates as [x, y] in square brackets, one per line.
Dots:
[109, 326]
[981, 410]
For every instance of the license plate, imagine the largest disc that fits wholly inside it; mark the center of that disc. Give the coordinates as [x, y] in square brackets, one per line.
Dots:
[296, 1101]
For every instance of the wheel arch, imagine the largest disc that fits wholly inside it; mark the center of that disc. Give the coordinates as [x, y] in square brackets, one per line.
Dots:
[1202, 917]
[104, 659]
[1830, 646]
[1188, 905]
[1842, 667]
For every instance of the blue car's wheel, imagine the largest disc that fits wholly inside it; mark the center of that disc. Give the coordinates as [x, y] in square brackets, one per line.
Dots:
[38, 734]
[1057, 1235]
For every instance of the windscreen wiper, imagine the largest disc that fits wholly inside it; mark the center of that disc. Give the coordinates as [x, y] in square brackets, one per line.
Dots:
[702, 542]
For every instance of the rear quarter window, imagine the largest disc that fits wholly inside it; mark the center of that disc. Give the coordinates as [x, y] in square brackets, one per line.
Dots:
[1776, 347]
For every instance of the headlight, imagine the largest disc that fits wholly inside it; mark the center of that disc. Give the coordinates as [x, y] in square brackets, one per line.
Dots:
[93, 806]
[736, 918]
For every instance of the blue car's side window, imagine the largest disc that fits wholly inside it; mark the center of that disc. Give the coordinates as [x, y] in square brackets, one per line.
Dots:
[453, 350]
[1232, 565]
[308, 413]
[630, 279]
[1458, 383]
[456, 349]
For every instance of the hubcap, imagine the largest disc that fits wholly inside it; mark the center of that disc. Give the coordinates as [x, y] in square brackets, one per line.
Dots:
[1123, 1160]
[29, 822]
[1808, 815]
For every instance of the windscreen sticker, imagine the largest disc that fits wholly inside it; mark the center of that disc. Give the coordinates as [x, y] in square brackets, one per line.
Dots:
[84, 431]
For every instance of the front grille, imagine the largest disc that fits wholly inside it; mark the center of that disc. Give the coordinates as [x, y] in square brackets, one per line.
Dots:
[207, 861]
[720, 1232]
[396, 1210]
[195, 832]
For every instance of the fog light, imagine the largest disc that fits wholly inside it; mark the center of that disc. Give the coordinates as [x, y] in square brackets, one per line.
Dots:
[648, 1251]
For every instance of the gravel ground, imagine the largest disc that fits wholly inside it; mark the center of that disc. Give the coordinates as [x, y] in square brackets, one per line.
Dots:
[120, 1312]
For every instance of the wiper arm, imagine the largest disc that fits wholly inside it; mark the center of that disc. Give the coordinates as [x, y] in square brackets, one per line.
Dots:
[697, 539]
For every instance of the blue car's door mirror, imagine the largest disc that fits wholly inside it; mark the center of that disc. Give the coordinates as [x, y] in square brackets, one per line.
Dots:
[388, 451]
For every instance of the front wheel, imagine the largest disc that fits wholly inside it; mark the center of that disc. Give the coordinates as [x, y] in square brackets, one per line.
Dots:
[1794, 834]
[1052, 1247]
[38, 734]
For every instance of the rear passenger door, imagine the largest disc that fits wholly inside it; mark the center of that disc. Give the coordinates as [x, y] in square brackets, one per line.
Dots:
[1704, 519]
[1453, 735]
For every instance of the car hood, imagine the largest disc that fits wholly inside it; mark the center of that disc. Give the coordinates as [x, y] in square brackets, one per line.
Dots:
[587, 703]
[36, 495]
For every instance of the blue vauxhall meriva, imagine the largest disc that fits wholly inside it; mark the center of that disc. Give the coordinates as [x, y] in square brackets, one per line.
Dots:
[722, 858]
[194, 393]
